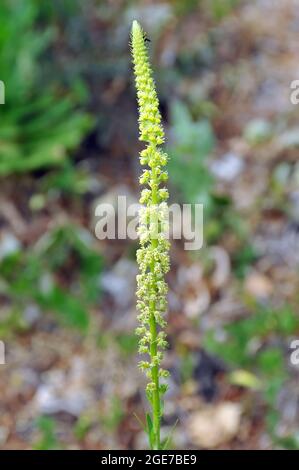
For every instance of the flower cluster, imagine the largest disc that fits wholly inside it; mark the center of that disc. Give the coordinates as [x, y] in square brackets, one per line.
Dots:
[152, 255]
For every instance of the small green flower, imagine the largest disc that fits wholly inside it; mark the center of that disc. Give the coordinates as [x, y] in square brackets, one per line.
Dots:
[152, 256]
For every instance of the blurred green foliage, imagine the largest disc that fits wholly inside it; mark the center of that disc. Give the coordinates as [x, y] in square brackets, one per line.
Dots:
[113, 414]
[221, 8]
[11, 322]
[61, 274]
[47, 429]
[265, 322]
[217, 9]
[48, 52]
[92, 62]
[257, 345]
[127, 343]
[191, 143]
[82, 426]
[39, 121]
[242, 259]
[68, 180]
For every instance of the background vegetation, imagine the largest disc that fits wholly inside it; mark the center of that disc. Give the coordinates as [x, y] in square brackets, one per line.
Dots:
[68, 141]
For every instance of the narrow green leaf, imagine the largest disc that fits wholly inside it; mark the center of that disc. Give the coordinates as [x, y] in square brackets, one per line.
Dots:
[143, 426]
[150, 431]
[165, 445]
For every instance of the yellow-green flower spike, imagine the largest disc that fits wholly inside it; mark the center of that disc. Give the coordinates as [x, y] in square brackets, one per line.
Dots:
[152, 256]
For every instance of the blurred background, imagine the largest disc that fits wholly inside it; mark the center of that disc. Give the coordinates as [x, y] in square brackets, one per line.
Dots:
[69, 141]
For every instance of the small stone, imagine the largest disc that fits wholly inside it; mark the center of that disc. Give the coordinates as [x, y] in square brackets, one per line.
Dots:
[215, 424]
[64, 392]
[4, 433]
[289, 139]
[258, 286]
[228, 167]
[9, 244]
[258, 131]
[31, 314]
[120, 283]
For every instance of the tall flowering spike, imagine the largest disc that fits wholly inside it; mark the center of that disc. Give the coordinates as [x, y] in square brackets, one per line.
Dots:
[152, 256]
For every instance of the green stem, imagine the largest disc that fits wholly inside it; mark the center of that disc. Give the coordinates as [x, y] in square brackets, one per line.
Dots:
[155, 379]
[153, 348]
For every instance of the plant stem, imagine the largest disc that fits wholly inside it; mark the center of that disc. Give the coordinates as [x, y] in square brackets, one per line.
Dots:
[155, 379]
[153, 346]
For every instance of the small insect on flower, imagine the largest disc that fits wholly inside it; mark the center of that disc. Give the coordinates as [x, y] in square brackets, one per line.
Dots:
[145, 37]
